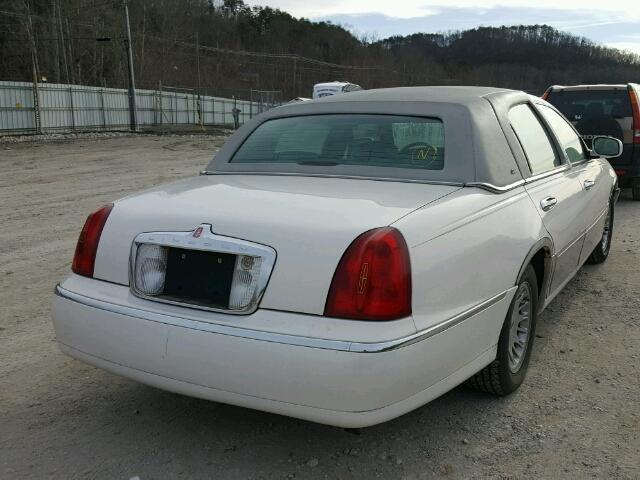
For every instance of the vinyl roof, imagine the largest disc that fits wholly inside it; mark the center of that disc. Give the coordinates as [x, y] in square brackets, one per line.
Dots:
[475, 143]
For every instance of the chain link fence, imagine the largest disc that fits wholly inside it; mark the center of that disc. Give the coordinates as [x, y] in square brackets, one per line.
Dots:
[44, 107]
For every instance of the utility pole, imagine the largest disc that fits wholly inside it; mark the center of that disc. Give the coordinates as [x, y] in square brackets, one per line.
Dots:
[295, 77]
[200, 119]
[57, 49]
[132, 84]
[70, 45]
[34, 67]
[62, 44]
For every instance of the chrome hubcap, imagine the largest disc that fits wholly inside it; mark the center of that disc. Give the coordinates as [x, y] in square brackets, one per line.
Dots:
[606, 234]
[520, 327]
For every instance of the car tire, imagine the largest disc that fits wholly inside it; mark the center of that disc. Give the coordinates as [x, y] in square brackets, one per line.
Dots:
[507, 372]
[635, 193]
[601, 252]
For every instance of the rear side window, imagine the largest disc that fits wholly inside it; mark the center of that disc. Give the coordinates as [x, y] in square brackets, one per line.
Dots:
[579, 105]
[533, 137]
[566, 135]
[347, 139]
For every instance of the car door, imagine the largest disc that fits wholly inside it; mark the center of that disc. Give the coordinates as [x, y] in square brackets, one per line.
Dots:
[597, 187]
[591, 175]
[554, 188]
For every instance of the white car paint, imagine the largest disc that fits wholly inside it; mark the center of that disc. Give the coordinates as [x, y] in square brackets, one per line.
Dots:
[308, 221]
[468, 244]
[341, 388]
[463, 224]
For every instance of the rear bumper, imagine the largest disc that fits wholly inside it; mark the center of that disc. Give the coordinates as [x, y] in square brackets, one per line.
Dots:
[313, 379]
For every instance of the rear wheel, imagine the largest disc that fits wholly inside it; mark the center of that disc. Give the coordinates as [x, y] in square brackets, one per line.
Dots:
[601, 252]
[635, 193]
[507, 372]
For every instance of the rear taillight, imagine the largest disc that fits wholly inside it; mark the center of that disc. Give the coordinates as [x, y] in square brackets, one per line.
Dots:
[373, 279]
[85, 257]
[635, 107]
[545, 95]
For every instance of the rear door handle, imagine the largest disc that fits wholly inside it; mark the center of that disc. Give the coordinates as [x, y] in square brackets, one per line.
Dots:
[588, 184]
[548, 203]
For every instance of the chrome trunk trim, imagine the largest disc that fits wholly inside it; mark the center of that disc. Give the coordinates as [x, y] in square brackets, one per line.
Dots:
[339, 176]
[207, 241]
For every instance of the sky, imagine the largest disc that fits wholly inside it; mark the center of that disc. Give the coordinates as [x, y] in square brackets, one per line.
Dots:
[615, 23]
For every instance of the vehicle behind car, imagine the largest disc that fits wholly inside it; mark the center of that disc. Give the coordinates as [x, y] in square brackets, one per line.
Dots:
[610, 110]
[333, 88]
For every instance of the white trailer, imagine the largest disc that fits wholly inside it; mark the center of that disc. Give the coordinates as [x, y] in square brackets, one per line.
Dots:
[333, 88]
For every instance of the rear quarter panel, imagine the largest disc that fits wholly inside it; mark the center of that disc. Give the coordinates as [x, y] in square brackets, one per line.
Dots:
[467, 248]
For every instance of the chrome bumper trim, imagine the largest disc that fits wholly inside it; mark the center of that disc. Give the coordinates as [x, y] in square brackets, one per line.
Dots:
[427, 332]
[293, 340]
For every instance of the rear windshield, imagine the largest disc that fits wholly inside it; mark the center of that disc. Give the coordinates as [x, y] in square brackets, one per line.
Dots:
[578, 105]
[347, 139]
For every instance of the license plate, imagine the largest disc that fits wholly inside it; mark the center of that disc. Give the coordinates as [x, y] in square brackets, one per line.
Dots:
[198, 277]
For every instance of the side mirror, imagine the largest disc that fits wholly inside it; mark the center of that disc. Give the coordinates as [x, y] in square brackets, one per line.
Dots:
[607, 147]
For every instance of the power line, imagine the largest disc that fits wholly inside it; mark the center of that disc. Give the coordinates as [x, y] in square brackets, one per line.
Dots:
[289, 56]
[286, 56]
[44, 19]
[53, 39]
[111, 4]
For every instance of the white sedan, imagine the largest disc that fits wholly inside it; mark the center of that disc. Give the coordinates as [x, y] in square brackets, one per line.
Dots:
[349, 259]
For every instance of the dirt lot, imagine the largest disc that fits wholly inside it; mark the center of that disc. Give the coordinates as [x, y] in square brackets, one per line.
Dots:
[576, 416]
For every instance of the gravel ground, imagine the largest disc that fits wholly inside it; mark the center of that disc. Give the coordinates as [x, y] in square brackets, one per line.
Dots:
[576, 416]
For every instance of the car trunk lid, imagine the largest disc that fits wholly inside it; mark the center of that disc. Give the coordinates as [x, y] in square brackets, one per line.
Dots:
[309, 221]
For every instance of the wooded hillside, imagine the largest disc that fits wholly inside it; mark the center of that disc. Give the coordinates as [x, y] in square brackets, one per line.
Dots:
[226, 46]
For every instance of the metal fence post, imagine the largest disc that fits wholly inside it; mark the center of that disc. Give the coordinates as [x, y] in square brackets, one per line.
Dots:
[36, 105]
[175, 109]
[186, 102]
[104, 115]
[161, 113]
[73, 118]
